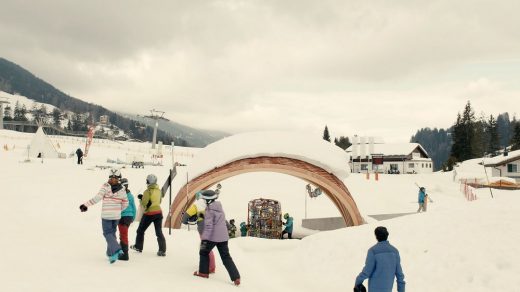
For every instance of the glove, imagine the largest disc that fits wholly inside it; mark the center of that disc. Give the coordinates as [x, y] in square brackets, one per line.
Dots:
[140, 196]
[83, 208]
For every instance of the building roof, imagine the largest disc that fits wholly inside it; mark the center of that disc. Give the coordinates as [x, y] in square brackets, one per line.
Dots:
[396, 149]
[501, 159]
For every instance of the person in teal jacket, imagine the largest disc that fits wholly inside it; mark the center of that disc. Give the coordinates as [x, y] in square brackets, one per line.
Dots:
[422, 195]
[243, 229]
[127, 217]
[288, 226]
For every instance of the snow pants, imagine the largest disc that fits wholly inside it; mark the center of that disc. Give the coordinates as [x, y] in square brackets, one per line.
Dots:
[109, 232]
[200, 229]
[289, 234]
[144, 224]
[124, 224]
[422, 207]
[205, 248]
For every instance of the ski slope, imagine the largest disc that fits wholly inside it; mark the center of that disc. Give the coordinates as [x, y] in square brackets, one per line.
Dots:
[49, 245]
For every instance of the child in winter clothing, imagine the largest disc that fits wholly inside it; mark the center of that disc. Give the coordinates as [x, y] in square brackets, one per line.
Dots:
[114, 200]
[215, 234]
[151, 202]
[232, 229]
[127, 217]
[243, 229]
[288, 226]
[196, 210]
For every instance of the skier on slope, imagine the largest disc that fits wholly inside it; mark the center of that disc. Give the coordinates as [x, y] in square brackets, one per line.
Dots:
[151, 202]
[114, 200]
[127, 217]
[215, 234]
[243, 229]
[195, 213]
[232, 229]
[288, 226]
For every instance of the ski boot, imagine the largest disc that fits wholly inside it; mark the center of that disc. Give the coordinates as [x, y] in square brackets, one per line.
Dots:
[135, 248]
[196, 273]
[161, 253]
[124, 256]
[113, 258]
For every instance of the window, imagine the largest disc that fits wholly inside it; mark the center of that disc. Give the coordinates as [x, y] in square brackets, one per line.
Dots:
[430, 165]
[410, 165]
[364, 166]
[394, 166]
[422, 165]
[512, 167]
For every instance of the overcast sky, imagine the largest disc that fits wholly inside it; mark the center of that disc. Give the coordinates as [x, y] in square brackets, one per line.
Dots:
[371, 68]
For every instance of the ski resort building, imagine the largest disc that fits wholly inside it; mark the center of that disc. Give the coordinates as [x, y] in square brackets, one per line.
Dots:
[505, 165]
[370, 155]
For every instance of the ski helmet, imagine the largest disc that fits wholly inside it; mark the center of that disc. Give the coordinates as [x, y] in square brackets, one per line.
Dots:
[114, 172]
[208, 195]
[286, 215]
[151, 179]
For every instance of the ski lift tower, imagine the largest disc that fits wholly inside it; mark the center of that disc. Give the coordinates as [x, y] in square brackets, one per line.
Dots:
[156, 115]
[2, 101]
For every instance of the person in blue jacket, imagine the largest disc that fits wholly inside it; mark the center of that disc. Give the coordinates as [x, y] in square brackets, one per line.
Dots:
[127, 217]
[382, 264]
[421, 200]
[288, 226]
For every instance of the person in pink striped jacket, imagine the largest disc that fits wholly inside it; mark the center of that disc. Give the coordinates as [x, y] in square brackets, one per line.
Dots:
[114, 200]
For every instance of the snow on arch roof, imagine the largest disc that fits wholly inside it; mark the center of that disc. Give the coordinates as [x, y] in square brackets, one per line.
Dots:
[296, 145]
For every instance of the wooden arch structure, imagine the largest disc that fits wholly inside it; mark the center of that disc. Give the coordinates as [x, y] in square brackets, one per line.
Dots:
[328, 182]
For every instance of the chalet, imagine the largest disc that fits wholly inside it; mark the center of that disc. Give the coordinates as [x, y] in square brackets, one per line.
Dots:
[506, 165]
[389, 158]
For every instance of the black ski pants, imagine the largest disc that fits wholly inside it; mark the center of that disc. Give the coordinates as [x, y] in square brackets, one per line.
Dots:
[205, 248]
[144, 224]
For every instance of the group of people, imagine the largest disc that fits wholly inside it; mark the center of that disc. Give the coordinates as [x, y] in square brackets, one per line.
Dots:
[118, 211]
[382, 264]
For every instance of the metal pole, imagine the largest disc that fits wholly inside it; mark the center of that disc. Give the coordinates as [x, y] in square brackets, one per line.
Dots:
[487, 179]
[305, 206]
[171, 179]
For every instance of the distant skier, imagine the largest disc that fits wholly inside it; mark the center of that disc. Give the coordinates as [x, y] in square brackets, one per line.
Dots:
[422, 200]
[215, 234]
[243, 229]
[195, 213]
[382, 265]
[79, 154]
[151, 203]
[114, 200]
[288, 226]
[232, 229]
[127, 217]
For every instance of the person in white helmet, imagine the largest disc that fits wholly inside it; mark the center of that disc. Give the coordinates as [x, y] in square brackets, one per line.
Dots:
[151, 203]
[114, 200]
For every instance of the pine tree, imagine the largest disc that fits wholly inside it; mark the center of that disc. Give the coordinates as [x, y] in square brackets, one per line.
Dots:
[342, 142]
[468, 140]
[494, 141]
[56, 117]
[515, 141]
[456, 134]
[326, 135]
[7, 113]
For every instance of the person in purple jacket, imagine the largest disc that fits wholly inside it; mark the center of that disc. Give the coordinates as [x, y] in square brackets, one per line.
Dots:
[215, 233]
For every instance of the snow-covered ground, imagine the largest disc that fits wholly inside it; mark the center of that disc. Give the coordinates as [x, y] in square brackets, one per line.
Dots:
[49, 245]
